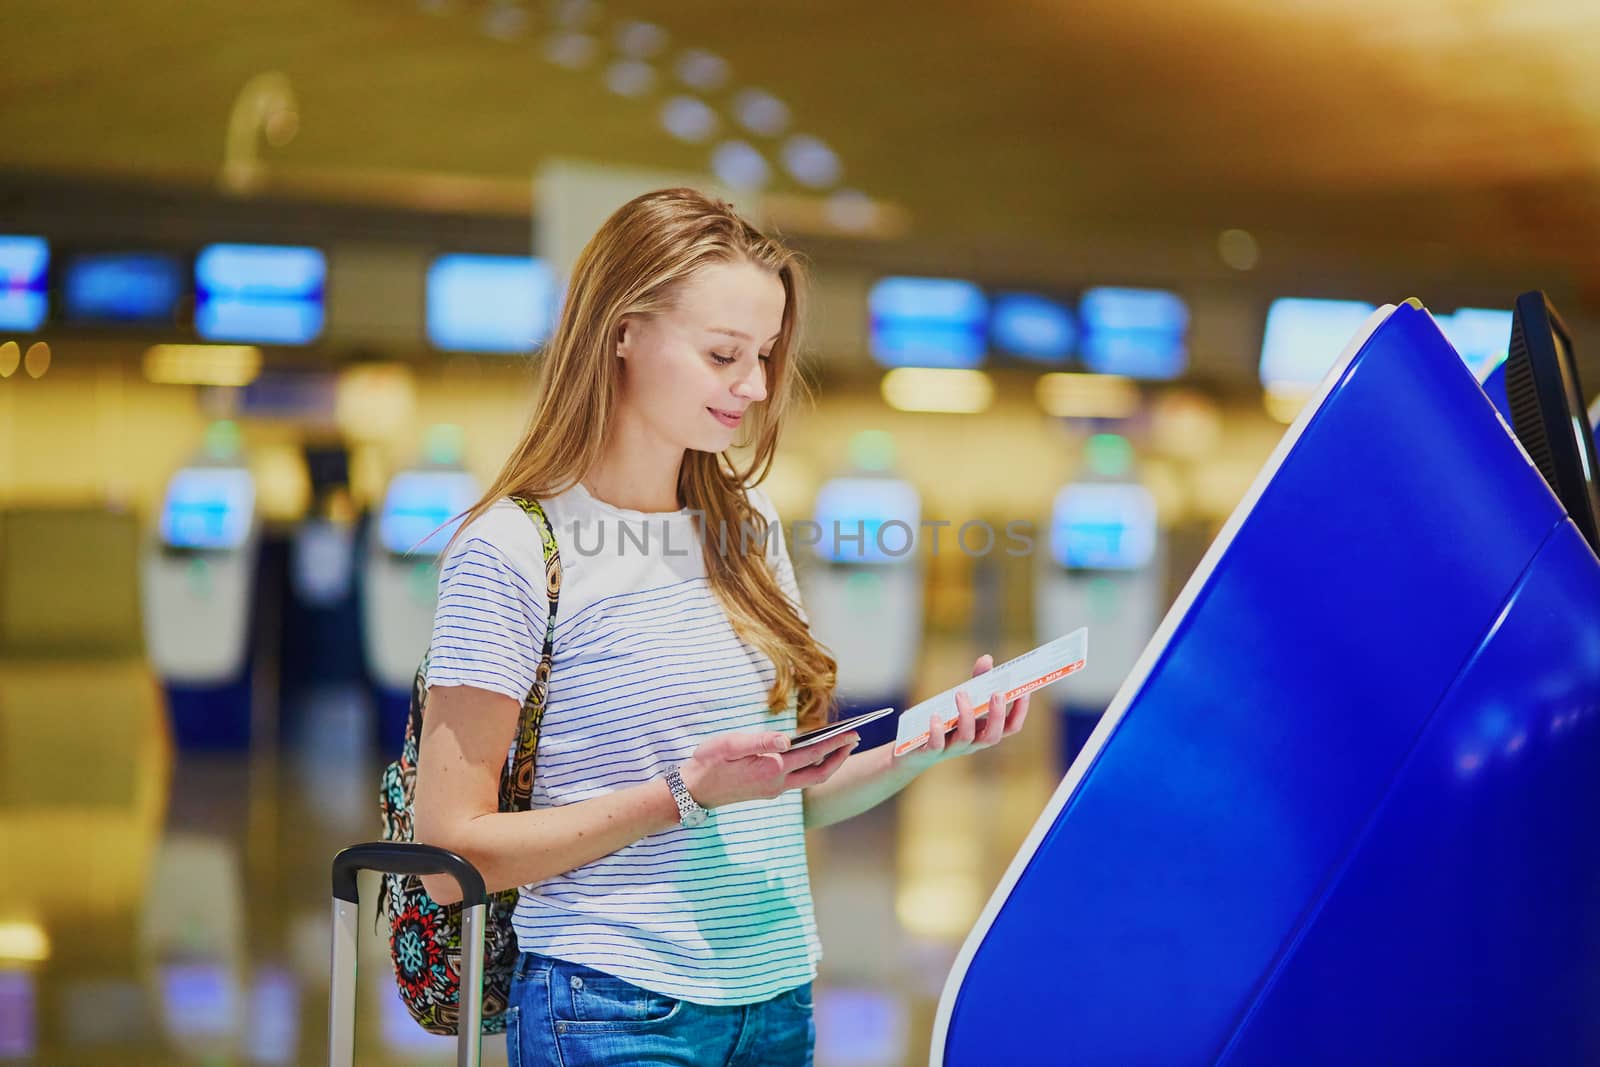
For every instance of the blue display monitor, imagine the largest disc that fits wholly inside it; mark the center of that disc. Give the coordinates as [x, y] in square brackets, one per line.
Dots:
[122, 288]
[1480, 336]
[259, 294]
[1304, 338]
[480, 303]
[1031, 327]
[419, 507]
[863, 509]
[24, 282]
[928, 322]
[208, 508]
[1103, 527]
[1140, 333]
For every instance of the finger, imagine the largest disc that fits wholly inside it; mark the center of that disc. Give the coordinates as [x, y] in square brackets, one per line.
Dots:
[822, 771]
[935, 733]
[984, 665]
[1017, 715]
[966, 726]
[768, 765]
[812, 754]
[994, 724]
[738, 746]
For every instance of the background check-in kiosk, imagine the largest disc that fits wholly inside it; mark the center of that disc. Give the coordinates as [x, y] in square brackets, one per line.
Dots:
[863, 592]
[198, 585]
[1103, 570]
[420, 513]
[1342, 810]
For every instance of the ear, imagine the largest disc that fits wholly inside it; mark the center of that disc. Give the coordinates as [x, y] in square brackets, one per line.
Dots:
[627, 330]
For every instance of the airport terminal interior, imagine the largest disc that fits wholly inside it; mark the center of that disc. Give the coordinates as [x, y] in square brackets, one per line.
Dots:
[274, 281]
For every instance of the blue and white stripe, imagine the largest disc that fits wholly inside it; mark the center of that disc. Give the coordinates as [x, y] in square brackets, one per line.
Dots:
[646, 668]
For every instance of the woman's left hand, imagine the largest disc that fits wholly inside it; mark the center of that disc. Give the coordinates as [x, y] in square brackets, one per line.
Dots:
[969, 735]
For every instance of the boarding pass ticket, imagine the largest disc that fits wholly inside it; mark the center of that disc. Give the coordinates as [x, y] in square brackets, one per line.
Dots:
[1011, 679]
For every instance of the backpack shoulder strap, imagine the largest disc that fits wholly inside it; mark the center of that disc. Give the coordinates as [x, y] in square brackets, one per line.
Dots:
[516, 789]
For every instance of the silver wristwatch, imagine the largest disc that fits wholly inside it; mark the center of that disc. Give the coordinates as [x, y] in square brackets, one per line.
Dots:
[689, 812]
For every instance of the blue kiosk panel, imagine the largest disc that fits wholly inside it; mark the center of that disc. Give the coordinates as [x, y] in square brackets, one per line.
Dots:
[1462, 927]
[1269, 729]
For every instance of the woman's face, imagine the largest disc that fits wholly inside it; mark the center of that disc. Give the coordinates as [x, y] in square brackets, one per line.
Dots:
[690, 373]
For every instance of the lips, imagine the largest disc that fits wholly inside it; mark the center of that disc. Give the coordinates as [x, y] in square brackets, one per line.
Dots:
[727, 418]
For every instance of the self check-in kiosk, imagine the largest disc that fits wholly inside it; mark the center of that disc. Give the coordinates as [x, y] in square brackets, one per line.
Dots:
[863, 591]
[401, 577]
[1341, 810]
[1103, 570]
[199, 585]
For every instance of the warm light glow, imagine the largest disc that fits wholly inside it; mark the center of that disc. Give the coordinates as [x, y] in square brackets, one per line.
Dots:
[1284, 404]
[37, 361]
[941, 907]
[202, 364]
[1238, 249]
[26, 942]
[283, 484]
[1185, 424]
[10, 358]
[375, 401]
[1087, 396]
[961, 392]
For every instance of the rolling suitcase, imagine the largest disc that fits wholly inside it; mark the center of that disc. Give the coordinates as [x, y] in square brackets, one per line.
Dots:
[399, 858]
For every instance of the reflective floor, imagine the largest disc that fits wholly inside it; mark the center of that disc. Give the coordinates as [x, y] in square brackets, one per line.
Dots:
[185, 920]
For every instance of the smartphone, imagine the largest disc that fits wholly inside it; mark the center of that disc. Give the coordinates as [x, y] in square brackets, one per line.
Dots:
[834, 729]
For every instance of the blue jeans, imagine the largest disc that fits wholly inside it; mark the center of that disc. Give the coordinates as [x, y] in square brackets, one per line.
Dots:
[568, 1015]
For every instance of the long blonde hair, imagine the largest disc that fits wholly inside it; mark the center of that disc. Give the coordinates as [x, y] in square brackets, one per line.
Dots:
[634, 265]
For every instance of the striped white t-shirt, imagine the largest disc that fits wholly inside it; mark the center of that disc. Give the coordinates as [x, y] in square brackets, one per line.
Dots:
[646, 667]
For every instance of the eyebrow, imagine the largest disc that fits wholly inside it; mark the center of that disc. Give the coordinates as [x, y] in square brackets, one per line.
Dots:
[740, 334]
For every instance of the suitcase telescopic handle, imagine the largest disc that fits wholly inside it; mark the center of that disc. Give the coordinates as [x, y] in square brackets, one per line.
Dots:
[394, 857]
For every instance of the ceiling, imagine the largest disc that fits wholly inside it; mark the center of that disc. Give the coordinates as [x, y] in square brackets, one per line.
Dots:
[1471, 127]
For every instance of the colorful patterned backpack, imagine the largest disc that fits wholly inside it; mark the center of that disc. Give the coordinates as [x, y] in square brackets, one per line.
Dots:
[425, 937]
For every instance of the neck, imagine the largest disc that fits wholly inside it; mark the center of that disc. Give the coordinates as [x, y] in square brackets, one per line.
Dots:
[636, 470]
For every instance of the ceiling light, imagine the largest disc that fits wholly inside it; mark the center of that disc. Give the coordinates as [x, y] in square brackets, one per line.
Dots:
[1087, 396]
[761, 112]
[688, 118]
[851, 209]
[1238, 249]
[629, 77]
[571, 50]
[641, 40]
[962, 392]
[739, 164]
[233, 365]
[810, 161]
[702, 70]
[37, 360]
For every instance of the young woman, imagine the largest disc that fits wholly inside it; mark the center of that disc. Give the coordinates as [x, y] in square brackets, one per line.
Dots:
[665, 912]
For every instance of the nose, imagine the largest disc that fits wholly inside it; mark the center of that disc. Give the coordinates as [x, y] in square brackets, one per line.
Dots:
[752, 384]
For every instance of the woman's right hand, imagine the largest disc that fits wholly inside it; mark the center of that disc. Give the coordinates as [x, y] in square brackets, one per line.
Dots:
[730, 768]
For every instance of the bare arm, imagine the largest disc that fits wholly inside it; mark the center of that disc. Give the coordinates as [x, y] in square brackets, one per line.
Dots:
[465, 737]
[866, 780]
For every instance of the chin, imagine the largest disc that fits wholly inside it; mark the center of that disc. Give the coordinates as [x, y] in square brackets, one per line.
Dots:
[710, 444]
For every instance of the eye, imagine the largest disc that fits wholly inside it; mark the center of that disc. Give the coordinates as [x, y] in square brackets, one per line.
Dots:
[766, 357]
[723, 361]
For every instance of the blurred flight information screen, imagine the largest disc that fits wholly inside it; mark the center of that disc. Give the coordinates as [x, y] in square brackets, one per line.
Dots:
[482, 303]
[928, 322]
[259, 294]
